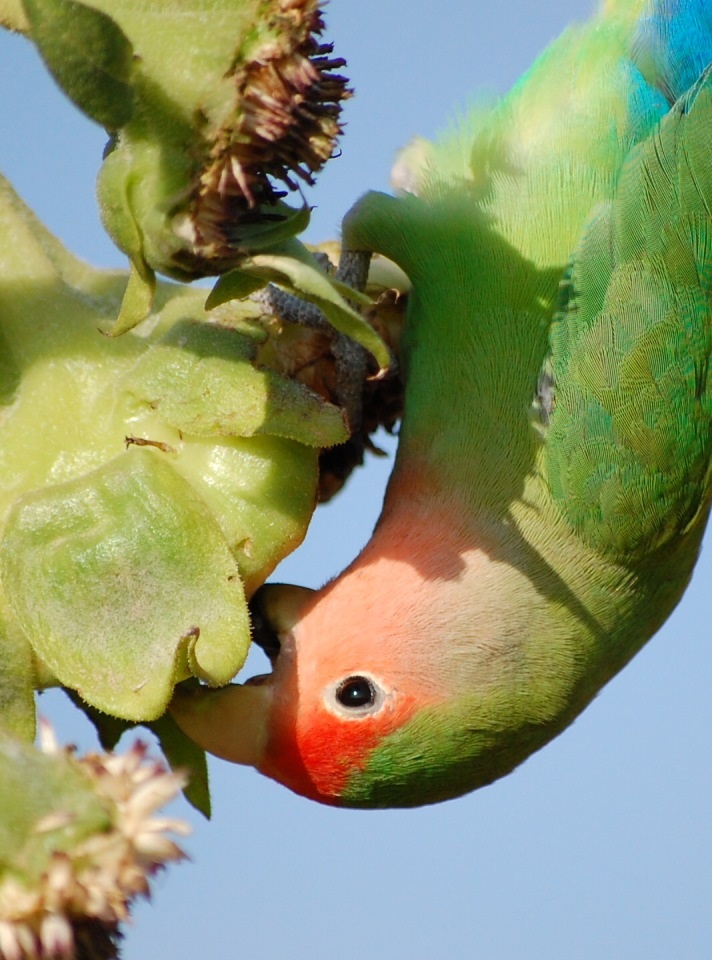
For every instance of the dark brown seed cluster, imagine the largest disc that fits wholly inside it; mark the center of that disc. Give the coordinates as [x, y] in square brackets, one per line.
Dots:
[289, 102]
[306, 353]
[94, 940]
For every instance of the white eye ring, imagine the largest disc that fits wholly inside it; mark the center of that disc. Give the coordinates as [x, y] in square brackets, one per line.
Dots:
[356, 695]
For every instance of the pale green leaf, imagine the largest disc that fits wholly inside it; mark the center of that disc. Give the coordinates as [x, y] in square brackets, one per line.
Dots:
[89, 566]
[307, 280]
[201, 380]
[17, 680]
[234, 285]
[89, 56]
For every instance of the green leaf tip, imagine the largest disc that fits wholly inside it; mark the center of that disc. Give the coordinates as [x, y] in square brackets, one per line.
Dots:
[235, 285]
[137, 300]
[182, 754]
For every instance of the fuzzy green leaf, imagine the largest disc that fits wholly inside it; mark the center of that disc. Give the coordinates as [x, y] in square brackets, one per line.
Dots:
[108, 729]
[88, 55]
[199, 378]
[88, 566]
[17, 681]
[9, 372]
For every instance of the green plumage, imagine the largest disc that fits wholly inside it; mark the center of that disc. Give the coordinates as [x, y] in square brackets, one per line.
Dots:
[561, 268]
[552, 481]
[630, 441]
[557, 366]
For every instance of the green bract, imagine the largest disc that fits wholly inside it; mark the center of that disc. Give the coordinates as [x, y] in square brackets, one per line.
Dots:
[209, 105]
[110, 547]
[148, 484]
[58, 786]
[213, 106]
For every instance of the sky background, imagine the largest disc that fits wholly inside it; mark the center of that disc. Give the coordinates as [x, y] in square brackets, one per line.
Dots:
[599, 846]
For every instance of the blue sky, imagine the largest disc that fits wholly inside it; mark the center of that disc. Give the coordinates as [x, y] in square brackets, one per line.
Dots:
[600, 845]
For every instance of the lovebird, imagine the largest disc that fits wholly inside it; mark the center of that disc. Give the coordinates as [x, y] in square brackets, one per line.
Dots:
[553, 476]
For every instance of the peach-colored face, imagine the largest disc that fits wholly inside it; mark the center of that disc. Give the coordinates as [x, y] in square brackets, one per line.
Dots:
[360, 657]
[340, 685]
[327, 716]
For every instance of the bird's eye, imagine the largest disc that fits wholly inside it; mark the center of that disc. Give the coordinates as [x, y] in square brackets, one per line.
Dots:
[356, 692]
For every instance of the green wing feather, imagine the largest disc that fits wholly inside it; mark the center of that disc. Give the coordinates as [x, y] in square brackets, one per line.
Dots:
[630, 437]
[501, 203]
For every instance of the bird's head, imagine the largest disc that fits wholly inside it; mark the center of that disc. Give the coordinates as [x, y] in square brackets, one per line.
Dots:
[331, 698]
[399, 683]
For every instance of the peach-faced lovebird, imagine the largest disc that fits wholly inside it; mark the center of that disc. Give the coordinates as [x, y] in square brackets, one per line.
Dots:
[553, 475]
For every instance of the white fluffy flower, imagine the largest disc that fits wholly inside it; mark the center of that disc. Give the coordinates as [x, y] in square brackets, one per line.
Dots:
[95, 880]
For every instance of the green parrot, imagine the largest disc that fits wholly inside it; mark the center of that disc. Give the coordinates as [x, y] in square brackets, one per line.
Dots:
[553, 475]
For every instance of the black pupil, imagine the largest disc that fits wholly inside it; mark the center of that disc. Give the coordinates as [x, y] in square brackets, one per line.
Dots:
[356, 692]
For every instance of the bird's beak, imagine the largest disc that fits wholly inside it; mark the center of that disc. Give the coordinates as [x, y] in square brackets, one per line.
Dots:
[229, 722]
[232, 722]
[275, 608]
